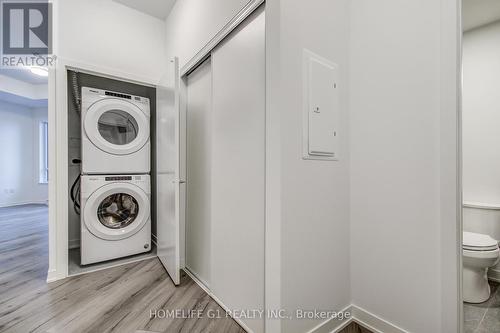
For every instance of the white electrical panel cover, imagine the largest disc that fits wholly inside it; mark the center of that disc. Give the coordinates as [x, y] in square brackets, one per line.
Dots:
[321, 108]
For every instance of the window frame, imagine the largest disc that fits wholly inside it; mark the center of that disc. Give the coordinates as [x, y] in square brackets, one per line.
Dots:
[43, 174]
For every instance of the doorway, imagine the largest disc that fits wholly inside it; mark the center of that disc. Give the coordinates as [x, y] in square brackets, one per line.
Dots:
[24, 179]
[481, 162]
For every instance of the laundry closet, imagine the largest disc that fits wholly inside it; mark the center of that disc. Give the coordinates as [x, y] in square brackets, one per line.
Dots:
[207, 168]
[111, 174]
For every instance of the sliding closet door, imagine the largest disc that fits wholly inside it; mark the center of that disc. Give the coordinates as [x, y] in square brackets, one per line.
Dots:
[199, 133]
[238, 169]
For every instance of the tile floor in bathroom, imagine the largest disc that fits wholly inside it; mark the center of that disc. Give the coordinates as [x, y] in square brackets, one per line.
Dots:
[484, 317]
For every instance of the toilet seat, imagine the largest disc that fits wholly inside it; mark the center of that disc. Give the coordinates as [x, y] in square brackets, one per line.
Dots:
[478, 242]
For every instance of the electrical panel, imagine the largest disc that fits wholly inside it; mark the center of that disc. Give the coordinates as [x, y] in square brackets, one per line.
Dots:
[321, 108]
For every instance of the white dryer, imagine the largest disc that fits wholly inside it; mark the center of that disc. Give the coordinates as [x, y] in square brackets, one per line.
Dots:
[115, 133]
[115, 216]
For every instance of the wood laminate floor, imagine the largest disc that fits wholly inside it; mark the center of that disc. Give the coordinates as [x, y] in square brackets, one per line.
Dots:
[355, 328]
[130, 298]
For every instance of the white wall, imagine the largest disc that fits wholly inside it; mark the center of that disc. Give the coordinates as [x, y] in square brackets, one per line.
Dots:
[19, 150]
[314, 198]
[402, 125]
[481, 114]
[192, 23]
[395, 162]
[315, 260]
[107, 34]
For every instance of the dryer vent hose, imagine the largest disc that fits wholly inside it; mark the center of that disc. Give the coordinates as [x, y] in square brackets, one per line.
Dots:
[75, 195]
[75, 89]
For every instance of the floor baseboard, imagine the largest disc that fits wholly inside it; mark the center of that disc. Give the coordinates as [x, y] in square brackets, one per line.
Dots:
[373, 322]
[53, 275]
[361, 317]
[222, 305]
[333, 325]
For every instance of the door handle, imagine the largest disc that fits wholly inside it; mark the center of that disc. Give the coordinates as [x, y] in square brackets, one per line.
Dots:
[180, 181]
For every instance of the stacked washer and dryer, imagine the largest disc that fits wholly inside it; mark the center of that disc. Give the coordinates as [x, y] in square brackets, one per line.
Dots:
[115, 183]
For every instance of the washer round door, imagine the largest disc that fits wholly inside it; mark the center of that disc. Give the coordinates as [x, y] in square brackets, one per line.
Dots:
[116, 211]
[116, 126]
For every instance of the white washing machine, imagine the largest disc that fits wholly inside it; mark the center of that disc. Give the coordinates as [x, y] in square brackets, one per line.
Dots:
[115, 217]
[115, 133]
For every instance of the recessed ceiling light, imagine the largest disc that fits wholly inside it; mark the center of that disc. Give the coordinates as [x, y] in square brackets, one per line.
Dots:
[40, 71]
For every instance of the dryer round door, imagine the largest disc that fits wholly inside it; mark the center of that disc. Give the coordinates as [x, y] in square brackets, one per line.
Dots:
[116, 211]
[116, 127]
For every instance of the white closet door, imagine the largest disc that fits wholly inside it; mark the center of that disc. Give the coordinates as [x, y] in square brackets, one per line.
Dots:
[169, 195]
[199, 113]
[238, 169]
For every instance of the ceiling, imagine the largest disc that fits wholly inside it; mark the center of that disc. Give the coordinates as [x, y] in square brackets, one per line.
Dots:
[477, 13]
[156, 8]
[24, 75]
[19, 100]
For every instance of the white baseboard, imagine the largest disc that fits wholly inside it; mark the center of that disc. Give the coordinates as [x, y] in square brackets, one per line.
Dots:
[333, 325]
[494, 275]
[203, 284]
[209, 292]
[360, 316]
[373, 322]
[53, 275]
[198, 281]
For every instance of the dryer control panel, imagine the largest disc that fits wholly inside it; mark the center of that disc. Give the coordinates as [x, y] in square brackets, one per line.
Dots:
[108, 93]
[117, 178]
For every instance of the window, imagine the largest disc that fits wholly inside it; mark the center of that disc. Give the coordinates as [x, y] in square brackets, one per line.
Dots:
[44, 153]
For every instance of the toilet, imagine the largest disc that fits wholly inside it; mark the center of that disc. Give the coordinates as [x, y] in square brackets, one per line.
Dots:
[479, 253]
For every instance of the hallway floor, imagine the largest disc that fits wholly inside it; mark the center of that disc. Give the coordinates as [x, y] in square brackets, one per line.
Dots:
[355, 328]
[120, 299]
[484, 317]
